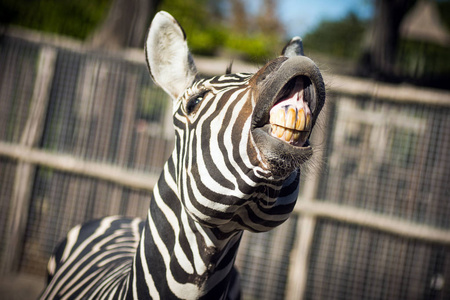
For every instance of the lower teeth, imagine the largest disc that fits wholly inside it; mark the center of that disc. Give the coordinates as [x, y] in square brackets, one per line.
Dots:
[286, 134]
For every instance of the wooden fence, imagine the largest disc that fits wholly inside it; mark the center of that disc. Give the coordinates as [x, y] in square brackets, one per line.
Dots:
[85, 134]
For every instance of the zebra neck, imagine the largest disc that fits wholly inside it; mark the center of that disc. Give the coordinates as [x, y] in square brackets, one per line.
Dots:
[177, 257]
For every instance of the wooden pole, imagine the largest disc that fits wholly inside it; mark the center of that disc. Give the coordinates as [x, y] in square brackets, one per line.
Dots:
[298, 270]
[24, 177]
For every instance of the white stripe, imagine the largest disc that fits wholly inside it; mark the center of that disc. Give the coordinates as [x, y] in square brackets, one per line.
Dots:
[72, 237]
[51, 266]
[147, 276]
[88, 278]
[80, 273]
[182, 291]
[104, 225]
[134, 283]
[171, 217]
[200, 266]
[219, 160]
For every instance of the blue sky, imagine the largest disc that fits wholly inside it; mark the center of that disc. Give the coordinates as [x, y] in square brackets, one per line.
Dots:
[301, 16]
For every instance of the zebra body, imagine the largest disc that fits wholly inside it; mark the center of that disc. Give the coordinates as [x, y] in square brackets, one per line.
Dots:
[239, 142]
[94, 260]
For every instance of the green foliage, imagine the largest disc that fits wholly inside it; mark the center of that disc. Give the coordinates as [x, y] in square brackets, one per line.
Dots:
[209, 34]
[256, 47]
[76, 18]
[204, 34]
[444, 10]
[341, 38]
[203, 20]
[425, 61]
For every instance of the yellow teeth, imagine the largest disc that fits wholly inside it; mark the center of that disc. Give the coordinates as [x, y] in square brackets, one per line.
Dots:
[288, 134]
[281, 117]
[300, 125]
[280, 131]
[308, 122]
[291, 119]
[291, 125]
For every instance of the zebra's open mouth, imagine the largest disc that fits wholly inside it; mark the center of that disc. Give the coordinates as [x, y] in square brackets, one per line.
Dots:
[291, 117]
[290, 93]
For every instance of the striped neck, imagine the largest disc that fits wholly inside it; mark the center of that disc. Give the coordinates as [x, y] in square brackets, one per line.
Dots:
[180, 258]
[177, 257]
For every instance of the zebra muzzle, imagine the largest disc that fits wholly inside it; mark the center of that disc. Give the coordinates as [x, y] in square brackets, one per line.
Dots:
[290, 94]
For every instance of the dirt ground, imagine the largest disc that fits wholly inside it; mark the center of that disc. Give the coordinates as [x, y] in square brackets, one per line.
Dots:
[20, 287]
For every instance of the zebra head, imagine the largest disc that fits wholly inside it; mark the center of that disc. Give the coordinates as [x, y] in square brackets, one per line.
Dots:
[240, 138]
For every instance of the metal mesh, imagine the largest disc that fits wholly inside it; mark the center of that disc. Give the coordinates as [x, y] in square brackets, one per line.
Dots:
[381, 156]
[105, 109]
[17, 78]
[102, 109]
[390, 158]
[61, 201]
[350, 262]
[7, 171]
[263, 261]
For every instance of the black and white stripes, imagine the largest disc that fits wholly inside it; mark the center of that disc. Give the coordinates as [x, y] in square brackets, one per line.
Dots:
[228, 173]
[95, 259]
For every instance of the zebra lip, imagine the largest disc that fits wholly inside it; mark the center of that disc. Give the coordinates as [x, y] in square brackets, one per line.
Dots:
[280, 153]
[295, 138]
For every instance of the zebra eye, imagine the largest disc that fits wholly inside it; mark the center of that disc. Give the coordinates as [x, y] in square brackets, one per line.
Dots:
[194, 100]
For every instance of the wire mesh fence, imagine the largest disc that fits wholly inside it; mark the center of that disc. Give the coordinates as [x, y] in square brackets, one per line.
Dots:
[378, 212]
[17, 78]
[390, 158]
[351, 262]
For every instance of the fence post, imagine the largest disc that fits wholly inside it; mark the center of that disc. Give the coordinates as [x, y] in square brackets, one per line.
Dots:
[298, 267]
[31, 137]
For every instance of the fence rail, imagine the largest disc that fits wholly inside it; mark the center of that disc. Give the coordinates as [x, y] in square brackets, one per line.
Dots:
[76, 126]
[74, 165]
[381, 222]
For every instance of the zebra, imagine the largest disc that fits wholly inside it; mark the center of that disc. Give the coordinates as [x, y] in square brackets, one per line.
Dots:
[240, 140]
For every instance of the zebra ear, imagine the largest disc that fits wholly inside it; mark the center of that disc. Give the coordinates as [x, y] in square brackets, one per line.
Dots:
[293, 48]
[168, 58]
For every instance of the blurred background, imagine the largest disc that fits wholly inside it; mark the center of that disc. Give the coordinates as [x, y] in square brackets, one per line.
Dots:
[84, 134]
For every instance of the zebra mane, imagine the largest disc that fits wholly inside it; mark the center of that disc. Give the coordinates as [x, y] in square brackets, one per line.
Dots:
[228, 70]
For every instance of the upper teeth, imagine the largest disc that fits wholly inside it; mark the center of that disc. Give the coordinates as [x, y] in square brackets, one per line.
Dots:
[290, 123]
[291, 117]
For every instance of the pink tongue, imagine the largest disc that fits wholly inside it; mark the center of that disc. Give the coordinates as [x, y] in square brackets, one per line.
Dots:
[294, 99]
